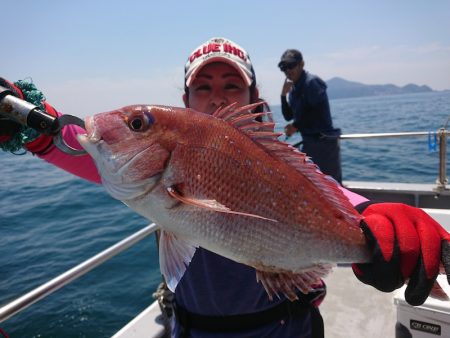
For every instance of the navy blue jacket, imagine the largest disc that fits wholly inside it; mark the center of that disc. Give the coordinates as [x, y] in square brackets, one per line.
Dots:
[216, 286]
[308, 106]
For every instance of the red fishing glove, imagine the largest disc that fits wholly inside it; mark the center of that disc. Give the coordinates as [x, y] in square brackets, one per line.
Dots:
[14, 136]
[407, 245]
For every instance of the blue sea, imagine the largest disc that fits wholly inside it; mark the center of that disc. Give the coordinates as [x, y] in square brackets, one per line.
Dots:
[51, 221]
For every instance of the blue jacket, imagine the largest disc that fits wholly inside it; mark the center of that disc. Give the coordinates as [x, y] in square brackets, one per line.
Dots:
[308, 106]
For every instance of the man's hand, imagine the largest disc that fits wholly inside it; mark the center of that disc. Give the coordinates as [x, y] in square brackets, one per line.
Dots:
[290, 129]
[407, 246]
[287, 85]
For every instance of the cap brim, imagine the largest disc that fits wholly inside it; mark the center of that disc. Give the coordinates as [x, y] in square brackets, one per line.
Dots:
[247, 79]
[287, 61]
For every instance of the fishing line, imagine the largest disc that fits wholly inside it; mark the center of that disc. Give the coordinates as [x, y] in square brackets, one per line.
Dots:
[446, 123]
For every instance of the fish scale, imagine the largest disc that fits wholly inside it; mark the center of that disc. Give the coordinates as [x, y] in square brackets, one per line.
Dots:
[221, 183]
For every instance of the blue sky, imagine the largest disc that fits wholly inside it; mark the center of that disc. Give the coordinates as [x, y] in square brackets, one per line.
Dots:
[93, 56]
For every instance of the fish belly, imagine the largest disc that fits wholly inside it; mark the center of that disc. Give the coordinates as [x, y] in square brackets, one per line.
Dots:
[262, 244]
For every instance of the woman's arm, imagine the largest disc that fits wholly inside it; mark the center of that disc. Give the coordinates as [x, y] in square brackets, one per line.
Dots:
[14, 137]
[354, 198]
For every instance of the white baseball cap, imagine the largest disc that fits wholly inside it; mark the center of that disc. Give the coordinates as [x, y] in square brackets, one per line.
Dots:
[219, 50]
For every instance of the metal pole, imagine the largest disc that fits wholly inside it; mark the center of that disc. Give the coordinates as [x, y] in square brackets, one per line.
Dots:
[51, 286]
[442, 178]
[377, 135]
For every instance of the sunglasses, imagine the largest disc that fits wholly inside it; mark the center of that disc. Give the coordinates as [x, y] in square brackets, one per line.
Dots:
[285, 66]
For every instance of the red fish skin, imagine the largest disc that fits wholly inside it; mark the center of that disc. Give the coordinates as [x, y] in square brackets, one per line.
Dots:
[205, 157]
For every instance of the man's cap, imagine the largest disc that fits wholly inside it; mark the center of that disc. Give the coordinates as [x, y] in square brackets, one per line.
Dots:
[290, 56]
[219, 50]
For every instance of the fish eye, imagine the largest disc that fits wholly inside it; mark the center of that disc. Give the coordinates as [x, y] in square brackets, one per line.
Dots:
[140, 122]
[136, 123]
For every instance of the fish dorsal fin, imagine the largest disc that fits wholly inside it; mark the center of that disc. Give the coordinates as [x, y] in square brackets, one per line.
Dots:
[223, 112]
[262, 126]
[242, 119]
[174, 257]
[230, 112]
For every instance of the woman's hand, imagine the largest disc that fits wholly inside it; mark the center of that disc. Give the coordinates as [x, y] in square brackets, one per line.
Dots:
[407, 246]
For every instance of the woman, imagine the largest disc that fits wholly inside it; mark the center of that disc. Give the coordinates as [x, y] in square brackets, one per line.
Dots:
[218, 73]
[220, 298]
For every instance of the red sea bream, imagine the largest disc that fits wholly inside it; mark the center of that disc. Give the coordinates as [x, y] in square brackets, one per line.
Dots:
[224, 182]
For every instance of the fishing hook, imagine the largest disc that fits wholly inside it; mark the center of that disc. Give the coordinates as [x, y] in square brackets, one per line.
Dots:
[58, 139]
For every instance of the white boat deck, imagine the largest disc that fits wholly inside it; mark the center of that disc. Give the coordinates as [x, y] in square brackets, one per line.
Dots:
[350, 309]
[353, 309]
[147, 324]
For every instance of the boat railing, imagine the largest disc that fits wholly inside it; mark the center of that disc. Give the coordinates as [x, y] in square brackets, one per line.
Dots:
[56, 283]
[53, 285]
[442, 134]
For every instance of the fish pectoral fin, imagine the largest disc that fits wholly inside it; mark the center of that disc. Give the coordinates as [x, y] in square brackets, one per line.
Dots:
[212, 205]
[287, 282]
[174, 257]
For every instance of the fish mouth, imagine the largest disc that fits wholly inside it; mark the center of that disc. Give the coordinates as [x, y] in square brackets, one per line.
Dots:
[92, 132]
[91, 140]
[99, 150]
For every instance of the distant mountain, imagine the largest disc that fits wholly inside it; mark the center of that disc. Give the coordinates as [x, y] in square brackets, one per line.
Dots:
[339, 88]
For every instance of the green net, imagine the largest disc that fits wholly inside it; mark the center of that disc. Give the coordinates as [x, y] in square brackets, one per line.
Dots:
[25, 134]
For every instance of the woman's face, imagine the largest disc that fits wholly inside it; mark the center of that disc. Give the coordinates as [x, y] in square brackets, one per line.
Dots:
[216, 85]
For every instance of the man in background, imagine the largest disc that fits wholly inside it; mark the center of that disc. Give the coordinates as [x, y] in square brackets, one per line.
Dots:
[307, 105]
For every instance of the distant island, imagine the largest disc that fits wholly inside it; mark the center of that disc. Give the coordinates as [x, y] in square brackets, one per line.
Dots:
[339, 88]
